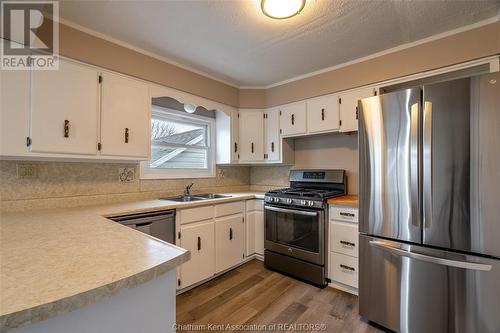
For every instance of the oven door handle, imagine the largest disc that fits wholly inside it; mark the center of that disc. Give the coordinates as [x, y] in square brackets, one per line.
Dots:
[291, 211]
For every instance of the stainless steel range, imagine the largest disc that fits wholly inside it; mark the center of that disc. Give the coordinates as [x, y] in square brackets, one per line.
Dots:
[296, 224]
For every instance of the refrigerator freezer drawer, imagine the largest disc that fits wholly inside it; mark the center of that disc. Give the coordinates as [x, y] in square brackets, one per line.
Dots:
[409, 288]
[344, 238]
[344, 269]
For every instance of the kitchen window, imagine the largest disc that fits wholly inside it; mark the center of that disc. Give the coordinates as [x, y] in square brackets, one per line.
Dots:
[182, 146]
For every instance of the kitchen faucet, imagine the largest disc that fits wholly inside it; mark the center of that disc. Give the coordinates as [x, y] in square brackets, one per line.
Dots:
[187, 190]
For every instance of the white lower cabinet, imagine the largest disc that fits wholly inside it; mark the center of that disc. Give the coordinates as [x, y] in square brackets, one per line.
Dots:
[229, 242]
[215, 236]
[199, 239]
[343, 248]
[255, 227]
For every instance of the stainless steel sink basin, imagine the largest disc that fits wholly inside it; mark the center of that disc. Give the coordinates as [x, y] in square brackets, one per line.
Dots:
[212, 196]
[197, 197]
[183, 198]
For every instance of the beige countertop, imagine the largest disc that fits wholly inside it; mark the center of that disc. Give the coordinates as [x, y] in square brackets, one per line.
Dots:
[55, 261]
[345, 200]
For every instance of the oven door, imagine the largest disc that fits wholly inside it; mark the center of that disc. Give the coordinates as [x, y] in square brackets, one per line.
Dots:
[296, 232]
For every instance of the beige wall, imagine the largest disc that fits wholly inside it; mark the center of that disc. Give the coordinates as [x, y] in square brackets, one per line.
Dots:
[333, 151]
[330, 151]
[60, 184]
[96, 51]
[465, 46]
[461, 47]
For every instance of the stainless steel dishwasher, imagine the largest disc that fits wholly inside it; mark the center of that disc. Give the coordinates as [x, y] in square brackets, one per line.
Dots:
[160, 224]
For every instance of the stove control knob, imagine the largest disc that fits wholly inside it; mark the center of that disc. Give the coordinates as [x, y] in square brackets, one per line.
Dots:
[303, 202]
[289, 201]
[310, 203]
[277, 199]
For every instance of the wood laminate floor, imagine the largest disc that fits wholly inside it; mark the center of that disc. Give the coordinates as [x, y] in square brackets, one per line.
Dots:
[253, 298]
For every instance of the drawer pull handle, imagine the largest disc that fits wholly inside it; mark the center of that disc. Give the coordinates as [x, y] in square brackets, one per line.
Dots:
[66, 128]
[235, 147]
[230, 233]
[272, 147]
[252, 147]
[126, 134]
[199, 243]
[293, 119]
[322, 114]
[347, 244]
[143, 224]
[345, 267]
[346, 214]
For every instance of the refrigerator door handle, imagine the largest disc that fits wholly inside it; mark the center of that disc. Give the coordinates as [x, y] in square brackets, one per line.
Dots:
[427, 165]
[414, 164]
[435, 260]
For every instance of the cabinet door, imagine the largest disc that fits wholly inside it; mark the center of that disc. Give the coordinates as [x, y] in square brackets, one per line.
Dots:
[125, 117]
[323, 114]
[250, 233]
[349, 108]
[251, 135]
[14, 112]
[293, 119]
[229, 242]
[199, 240]
[273, 135]
[235, 136]
[64, 109]
[259, 232]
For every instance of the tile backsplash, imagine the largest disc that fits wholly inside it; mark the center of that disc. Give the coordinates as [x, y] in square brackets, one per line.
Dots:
[65, 184]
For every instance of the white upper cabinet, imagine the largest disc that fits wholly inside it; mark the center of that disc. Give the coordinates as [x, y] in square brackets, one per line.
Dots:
[251, 143]
[64, 109]
[14, 115]
[323, 114]
[349, 107]
[235, 135]
[293, 119]
[273, 135]
[125, 117]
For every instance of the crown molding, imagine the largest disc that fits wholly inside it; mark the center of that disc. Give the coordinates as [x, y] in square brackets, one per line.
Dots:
[479, 24]
[452, 32]
[142, 51]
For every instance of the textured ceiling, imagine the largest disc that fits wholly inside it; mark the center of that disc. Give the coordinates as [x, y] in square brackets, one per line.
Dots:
[233, 41]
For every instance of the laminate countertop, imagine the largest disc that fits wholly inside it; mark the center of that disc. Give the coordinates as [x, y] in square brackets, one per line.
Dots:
[345, 200]
[56, 261]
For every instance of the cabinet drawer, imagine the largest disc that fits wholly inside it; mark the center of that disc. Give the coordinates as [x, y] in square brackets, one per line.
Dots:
[255, 204]
[344, 214]
[195, 214]
[344, 238]
[229, 208]
[344, 269]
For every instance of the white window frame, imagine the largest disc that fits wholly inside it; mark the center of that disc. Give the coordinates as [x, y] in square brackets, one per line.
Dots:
[150, 173]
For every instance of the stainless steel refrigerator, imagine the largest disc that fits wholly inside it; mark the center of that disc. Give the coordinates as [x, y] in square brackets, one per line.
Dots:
[429, 197]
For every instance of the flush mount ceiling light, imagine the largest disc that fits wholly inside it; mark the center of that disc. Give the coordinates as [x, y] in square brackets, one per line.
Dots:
[282, 9]
[189, 108]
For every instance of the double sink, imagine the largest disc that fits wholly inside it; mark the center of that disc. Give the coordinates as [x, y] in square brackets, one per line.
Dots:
[196, 197]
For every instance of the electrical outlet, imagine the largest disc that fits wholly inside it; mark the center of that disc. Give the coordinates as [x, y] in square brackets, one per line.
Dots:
[126, 175]
[26, 171]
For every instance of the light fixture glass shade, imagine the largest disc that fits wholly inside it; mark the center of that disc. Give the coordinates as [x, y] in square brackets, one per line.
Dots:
[189, 108]
[282, 9]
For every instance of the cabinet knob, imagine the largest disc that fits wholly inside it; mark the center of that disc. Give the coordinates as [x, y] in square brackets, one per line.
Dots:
[66, 128]
[126, 134]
